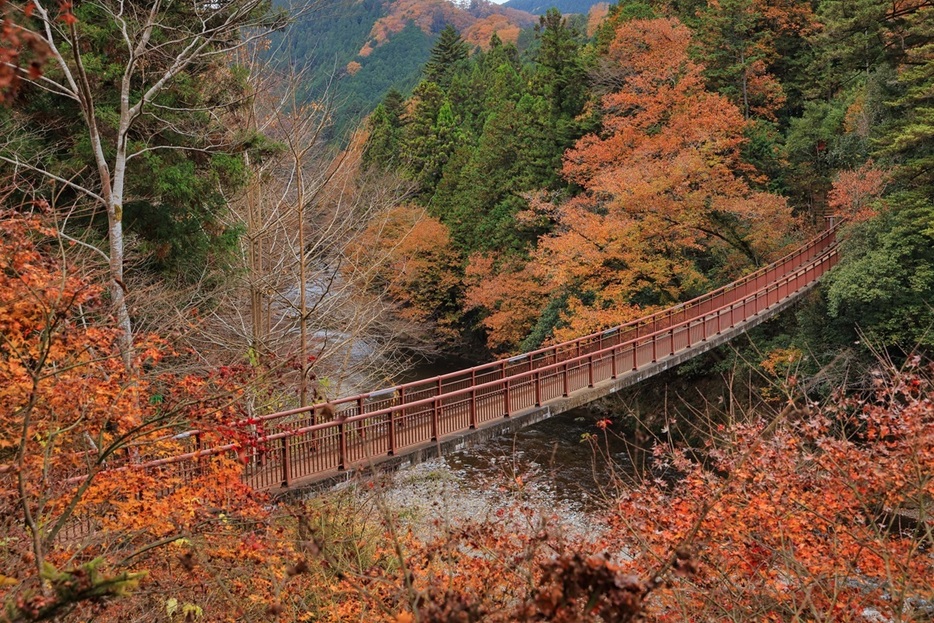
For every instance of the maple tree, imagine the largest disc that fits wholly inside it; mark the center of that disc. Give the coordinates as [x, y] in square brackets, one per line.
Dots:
[665, 212]
[416, 265]
[854, 192]
[83, 516]
[510, 294]
[815, 509]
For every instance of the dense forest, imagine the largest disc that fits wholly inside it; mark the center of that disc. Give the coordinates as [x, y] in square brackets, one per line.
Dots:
[185, 248]
[540, 7]
[591, 180]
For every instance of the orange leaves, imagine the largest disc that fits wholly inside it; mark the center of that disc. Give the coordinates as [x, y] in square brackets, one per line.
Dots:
[19, 48]
[480, 32]
[857, 193]
[798, 514]
[411, 255]
[662, 188]
[512, 295]
[75, 426]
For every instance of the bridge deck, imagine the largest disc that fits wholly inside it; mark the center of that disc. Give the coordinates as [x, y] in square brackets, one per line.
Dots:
[295, 448]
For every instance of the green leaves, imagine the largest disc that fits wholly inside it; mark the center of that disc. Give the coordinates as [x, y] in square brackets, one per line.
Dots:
[70, 586]
[885, 283]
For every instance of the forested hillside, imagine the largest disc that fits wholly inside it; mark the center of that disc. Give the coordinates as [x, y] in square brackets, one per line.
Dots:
[681, 146]
[184, 251]
[357, 50]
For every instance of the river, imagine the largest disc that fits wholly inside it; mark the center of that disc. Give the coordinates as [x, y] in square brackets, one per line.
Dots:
[565, 462]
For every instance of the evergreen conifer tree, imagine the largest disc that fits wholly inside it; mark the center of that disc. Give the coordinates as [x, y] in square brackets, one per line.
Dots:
[449, 51]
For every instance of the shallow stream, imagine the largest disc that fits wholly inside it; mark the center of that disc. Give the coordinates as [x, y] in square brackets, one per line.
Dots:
[566, 464]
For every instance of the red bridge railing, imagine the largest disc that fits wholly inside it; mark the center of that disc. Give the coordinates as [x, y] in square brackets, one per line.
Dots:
[295, 445]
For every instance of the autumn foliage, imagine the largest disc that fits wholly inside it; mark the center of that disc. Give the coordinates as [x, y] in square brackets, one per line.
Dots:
[855, 194]
[810, 512]
[22, 51]
[83, 516]
[414, 264]
[666, 211]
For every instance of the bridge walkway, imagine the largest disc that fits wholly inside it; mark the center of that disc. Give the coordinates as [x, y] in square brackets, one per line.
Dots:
[294, 449]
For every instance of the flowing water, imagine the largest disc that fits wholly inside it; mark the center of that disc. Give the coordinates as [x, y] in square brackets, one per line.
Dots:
[569, 457]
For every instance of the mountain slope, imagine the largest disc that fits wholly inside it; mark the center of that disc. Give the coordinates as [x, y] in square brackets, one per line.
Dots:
[540, 7]
[359, 49]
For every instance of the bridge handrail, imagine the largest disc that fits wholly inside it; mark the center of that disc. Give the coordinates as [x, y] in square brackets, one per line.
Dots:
[825, 238]
[637, 341]
[492, 384]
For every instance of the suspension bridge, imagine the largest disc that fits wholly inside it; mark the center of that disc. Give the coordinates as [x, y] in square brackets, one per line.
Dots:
[410, 422]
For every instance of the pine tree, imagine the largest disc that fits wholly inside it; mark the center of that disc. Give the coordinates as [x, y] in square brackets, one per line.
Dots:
[449, 52]
[385, 125]
[561, 71]
[429, 137]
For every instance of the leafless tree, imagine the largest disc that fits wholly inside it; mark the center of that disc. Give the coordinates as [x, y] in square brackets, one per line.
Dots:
[158, 43]
[297, 308]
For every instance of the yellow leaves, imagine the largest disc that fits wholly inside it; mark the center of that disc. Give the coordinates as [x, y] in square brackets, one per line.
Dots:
[185, 612]
[404, 617]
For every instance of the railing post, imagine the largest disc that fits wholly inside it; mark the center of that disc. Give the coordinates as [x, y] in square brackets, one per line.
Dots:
[590, 371]
[567, 385]
[654, 348]
[198, 447]
[436, 404]
[473, 407]
[361, 430]
[613, 363]
[635, 355]
[392, 431]
[286, 463]
[342, 446]
[506, 398]
[537, 378]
